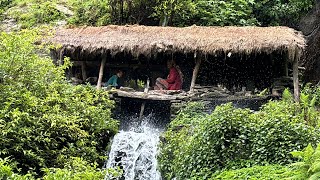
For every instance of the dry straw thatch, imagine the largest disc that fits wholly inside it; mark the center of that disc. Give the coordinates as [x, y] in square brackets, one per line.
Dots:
[148, 40]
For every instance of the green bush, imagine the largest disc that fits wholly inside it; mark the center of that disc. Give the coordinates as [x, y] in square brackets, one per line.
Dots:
[205, 12]
[92, 13]
[269, 172]
[4, 4]
[75, 169]
[30, 13]
[281, 129]
[279, 12]
[43, 119]
[233, 138]
[163, 12]
[177, 137]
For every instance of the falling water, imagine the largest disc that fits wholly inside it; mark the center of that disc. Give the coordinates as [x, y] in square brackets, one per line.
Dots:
[134, 150]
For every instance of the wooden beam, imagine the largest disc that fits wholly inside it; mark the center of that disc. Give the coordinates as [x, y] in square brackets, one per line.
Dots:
[195, 74]
[142, 95]
[83, 71]
[296, 77]
[103, 62]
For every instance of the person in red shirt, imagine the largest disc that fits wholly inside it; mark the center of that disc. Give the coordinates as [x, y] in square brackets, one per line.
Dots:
[174, 79]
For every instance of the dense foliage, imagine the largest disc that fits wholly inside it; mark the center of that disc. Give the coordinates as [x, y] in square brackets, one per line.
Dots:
[74, 169]
[30, 13]
[308, 167]
[157, 12]
[222, 13]
[280, 12]
[269, 172]
[93, 13]
[196, 145]
[44, 121]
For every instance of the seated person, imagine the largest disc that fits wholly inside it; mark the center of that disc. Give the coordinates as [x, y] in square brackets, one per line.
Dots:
[114, 80]
[174, 79]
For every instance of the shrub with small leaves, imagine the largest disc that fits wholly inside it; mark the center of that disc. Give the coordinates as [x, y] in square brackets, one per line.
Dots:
[44, 120]
[268, 172]
[196, 146]
[30, 13]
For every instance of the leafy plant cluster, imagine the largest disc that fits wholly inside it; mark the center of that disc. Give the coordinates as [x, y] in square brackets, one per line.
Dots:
[307, 168]
[201, 12]
[268, 172]
[160, 12]
[309, 165]
[280, 12]
[93, 12]
[30, 13]
[231, 12]
[197, 145]
[44, 121]
[4, 5]
[74, 169]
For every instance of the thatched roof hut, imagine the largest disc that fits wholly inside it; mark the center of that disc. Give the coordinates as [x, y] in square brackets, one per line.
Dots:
[149, 41]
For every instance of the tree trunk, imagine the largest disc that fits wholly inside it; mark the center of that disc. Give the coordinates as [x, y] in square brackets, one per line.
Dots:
[121, 12]
[296, 78]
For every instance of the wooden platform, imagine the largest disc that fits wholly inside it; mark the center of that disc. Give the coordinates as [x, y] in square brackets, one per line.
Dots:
[156, 96]
[175, 96]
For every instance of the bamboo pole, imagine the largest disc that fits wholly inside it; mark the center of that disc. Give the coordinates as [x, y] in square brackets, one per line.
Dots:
[143, 105]
[195, 74]
[103, 62]
[83, 71]
[296, 77]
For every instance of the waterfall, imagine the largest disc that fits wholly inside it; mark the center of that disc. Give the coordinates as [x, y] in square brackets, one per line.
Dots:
[134, 150]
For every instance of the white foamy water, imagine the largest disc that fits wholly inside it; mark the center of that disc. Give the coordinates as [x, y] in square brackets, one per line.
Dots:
[134, 151]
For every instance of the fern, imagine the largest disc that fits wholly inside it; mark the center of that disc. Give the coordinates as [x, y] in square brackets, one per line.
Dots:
[315, 167]
[309, 166]
[315, 176]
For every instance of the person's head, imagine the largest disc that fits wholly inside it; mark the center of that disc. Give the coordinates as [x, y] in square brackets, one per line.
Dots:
[171, 63]
[119, 73]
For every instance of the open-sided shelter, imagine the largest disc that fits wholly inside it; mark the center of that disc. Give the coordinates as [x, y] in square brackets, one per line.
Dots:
[203, 44]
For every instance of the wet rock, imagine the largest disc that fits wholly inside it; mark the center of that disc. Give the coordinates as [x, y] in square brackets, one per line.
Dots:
[65, 10]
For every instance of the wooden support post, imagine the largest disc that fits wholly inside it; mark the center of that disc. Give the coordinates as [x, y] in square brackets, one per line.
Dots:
[195, 74]
[83, 71]
[60, 61]
[286, 71]
[103, 62]
[296, 78]
[142, 110]
[285, 68]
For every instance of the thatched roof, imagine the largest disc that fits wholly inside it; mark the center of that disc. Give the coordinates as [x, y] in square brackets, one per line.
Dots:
[148, 40]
